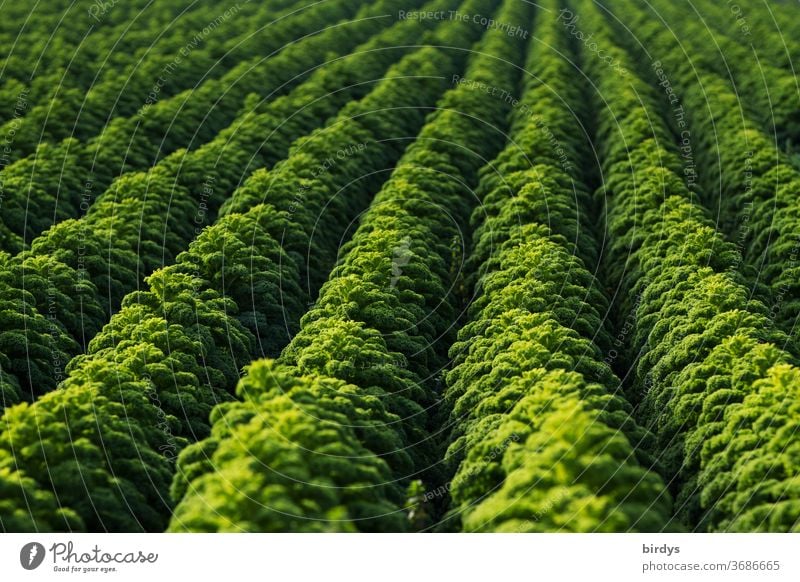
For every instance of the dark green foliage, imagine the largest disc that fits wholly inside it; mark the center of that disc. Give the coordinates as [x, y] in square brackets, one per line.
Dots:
[184, 339]
[99, 81]
[63, 180]
[41, 513]
[765, 92]
[145, 219]
[702, 343]
[98, 457]
[376, 326]
[745, 180]
[541, 440]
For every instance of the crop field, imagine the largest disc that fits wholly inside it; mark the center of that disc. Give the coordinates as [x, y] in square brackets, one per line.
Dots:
[399, 266]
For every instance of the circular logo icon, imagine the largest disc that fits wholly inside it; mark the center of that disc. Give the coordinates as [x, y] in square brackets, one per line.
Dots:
[31, 555]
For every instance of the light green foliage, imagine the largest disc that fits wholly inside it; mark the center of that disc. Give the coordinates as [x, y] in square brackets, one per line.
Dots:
[295, 455]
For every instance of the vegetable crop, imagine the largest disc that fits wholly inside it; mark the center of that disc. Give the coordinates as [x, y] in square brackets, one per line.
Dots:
[399, 266]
